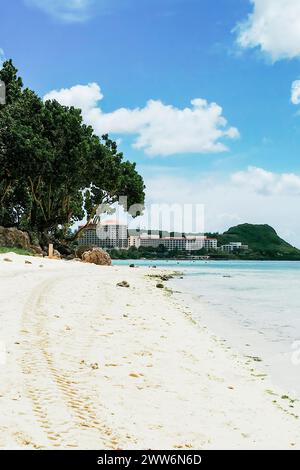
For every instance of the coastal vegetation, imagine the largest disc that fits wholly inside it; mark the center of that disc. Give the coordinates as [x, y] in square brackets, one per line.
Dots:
[54, 171]
[262, 240]
[18, 251]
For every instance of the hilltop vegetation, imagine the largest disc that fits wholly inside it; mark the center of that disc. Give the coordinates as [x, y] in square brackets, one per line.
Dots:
[262, 240]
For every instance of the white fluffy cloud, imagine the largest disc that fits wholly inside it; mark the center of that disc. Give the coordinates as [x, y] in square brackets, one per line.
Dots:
[65, 10]
[267, 183]
[84, 97]
[254, 196]
[274, 26]
[159, 129]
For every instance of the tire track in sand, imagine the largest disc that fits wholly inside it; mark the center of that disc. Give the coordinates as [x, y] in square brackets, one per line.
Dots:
[66, 415]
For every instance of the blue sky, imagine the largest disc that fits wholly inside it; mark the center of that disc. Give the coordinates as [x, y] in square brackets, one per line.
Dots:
[246, 169]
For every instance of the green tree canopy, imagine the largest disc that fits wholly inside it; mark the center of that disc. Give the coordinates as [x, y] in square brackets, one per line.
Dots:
[54, 170]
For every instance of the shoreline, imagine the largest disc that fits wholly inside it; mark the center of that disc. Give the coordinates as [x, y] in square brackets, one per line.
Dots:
[247, 343]
[276, 356]
[191, 260]
[92, 365]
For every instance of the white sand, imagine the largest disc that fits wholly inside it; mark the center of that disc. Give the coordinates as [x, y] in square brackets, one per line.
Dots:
[90, 365]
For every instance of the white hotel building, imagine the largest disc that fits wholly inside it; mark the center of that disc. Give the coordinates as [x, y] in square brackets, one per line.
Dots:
[174, 243]
[234, 246]
[113, 234]
[109, 234]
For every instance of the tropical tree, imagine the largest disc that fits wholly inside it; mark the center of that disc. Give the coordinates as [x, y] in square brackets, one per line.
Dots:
[54, 170]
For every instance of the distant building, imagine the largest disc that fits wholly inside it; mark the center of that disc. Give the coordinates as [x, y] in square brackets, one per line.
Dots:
[108, 234]
[113, 234]
[234, 246]
[134, 240]
[174, 243]
[210, 244]
[88, 236]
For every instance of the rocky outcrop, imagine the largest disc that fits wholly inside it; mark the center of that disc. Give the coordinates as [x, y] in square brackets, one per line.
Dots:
[82, 249]
[37, 250]
[14, 238]
[97, 256]
[56, 254]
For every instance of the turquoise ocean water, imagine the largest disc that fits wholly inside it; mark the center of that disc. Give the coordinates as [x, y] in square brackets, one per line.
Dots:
[253, 305]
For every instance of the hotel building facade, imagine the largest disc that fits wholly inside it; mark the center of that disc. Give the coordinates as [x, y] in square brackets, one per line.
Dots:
[113, 234]
[109, 234]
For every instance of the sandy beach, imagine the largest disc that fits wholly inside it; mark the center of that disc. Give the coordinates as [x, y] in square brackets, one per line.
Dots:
[85, 364]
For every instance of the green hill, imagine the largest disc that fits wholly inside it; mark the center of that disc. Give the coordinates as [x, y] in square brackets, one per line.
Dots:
[262, 240]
